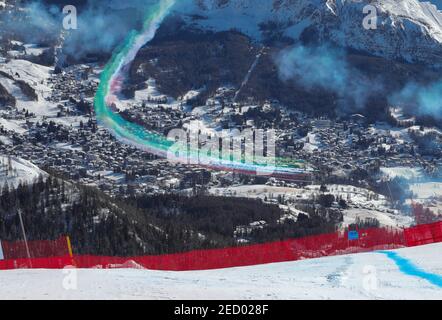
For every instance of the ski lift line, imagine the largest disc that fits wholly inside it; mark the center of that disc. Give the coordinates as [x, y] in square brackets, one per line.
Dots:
[389, 190]
[249, 73]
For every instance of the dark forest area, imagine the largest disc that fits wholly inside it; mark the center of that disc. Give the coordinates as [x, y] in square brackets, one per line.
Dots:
[99, 224]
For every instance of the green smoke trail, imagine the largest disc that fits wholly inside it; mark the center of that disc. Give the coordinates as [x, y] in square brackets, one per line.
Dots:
[137, 135]
[123, 56]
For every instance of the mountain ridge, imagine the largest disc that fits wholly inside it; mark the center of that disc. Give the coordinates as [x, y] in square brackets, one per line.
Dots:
[408, 30]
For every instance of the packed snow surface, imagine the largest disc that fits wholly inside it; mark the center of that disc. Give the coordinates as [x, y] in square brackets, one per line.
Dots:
[360, 276]
[14, 170]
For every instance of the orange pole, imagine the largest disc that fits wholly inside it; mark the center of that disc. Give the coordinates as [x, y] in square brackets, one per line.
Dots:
[71, 254]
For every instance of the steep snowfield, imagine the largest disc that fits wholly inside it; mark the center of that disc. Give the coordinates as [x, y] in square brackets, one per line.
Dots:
[360, 276]
[36, 76]
[18, 170]
[406, 29]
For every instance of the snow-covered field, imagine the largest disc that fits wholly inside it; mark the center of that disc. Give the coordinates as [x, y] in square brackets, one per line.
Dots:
[363, 203]
[36, 76]
[12, 125]
[403, 172]
[384, 218]
[359, 276]
[429, 194]
[426, 190]
[16, 170]
[350, 193]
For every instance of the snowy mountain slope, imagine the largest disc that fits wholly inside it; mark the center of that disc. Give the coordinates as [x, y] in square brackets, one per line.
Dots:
[247, 15]
[35, 76]
[14, 170]
[409, 30]
[11, 125]
[359, 276]
[12, 88]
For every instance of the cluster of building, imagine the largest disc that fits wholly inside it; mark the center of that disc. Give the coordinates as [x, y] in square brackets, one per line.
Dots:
[73, 89]
[73, 145]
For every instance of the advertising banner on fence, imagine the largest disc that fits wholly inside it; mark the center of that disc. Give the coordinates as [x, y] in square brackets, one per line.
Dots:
[1, 251]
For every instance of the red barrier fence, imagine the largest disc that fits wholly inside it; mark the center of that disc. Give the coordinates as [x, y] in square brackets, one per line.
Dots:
[37, 249]
[289, 250]
[40, 254]
[37, 263]
[423, 234]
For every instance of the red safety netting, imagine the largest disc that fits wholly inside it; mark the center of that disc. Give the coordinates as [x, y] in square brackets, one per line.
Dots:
[423, 234]
[288, 250]
[37, 249]
[37, 263]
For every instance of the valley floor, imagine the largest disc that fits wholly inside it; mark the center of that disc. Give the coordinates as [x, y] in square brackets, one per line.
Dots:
[360, 276]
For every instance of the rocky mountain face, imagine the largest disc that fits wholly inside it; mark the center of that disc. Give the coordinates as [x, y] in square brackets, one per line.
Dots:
[212, 60]
[407, 30]
[203, 43]
[213, 43]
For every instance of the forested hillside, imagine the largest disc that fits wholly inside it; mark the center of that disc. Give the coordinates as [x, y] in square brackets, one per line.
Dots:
[98, 224]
